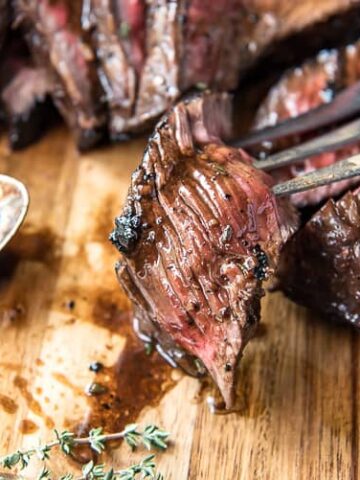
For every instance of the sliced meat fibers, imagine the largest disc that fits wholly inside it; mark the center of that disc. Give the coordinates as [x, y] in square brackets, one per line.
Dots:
[300, 90]
[320, 265]
[199, 233]
[117, 74]
[57, 42]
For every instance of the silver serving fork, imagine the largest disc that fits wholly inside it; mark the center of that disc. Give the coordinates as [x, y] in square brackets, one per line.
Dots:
[345, 105]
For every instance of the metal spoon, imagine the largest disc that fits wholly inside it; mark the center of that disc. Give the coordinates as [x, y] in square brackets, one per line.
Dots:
[14, 203]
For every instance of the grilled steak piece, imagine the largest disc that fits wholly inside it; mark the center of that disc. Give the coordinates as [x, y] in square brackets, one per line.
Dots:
[24, 94]
[28, 107]
[158, 83]
[320, 265]
[56, 40]
[199, 233]
[131, 22]
[116, 73]
[301, 89]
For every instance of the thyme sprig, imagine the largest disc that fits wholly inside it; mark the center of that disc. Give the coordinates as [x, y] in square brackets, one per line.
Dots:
[150, 437]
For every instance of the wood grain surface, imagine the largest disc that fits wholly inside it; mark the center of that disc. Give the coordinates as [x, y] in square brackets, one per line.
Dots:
[61, 309]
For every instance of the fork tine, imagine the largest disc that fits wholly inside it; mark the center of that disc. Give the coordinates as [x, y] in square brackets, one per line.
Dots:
[345, 105]
[332, 141]
[342, 170]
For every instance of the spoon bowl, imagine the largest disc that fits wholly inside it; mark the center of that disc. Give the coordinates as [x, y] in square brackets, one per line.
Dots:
[14, 203]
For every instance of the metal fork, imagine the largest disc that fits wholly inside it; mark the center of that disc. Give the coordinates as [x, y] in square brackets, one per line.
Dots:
[345, 105]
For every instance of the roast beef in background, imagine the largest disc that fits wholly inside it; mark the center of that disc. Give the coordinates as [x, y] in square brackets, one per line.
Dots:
[28, 106]
[149, 81]
[199, 233]
[299, 90]
[224, 39]
[320, 265]
[125, 62]
[56, 39]
[24, 94]
[186, 45]
[112, 26]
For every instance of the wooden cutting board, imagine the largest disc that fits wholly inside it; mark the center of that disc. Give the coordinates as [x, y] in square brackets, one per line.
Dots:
[61, 309]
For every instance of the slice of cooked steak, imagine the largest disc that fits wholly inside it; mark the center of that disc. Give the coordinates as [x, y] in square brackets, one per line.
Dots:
[320, 265]
[55, 38]
[301, 89]
[199, 233]
[159, 77]
[28, 106]
[116, 73]
[24, 94]
[131, 24]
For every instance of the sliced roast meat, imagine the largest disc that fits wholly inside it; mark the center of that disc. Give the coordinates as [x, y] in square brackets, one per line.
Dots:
[56, 40]
[223, 39]
[28, 107]
[300, 90]
[320, 265]
[131, 24]
[199, 233]
[197, 44]
[24, 94]
[116, 73]
[159, 77]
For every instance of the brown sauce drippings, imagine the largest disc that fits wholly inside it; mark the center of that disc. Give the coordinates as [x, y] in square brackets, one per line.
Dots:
[8, 404]
[32, 403]
[27, 427]
[137, 380]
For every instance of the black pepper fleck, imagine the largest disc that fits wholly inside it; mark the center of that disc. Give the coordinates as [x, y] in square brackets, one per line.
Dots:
[70, 304]
[96, 367]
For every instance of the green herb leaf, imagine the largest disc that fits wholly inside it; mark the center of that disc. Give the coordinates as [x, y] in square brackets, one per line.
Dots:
[45, 473]
[124, 29]
[88, 468]
[155, 437]
[131, 435]
[66, 441]
[68, 476]
[96, 440]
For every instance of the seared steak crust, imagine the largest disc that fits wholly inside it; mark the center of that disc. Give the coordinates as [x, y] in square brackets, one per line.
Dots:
[320, 265]
[200, 231]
